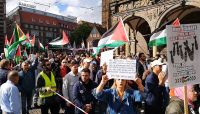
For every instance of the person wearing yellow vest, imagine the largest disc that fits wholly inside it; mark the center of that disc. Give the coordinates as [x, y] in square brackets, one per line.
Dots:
[46, 83]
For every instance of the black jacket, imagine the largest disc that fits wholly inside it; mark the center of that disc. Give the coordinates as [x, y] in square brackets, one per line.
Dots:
[82, 94]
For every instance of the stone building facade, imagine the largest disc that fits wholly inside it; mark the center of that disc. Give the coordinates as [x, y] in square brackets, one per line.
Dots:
[143, 17]
[2, 23]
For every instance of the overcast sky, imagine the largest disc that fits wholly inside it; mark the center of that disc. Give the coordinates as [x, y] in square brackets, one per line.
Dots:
[88, 10]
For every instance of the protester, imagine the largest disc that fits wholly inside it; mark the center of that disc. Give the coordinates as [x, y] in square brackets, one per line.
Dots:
[27, 84]
[4, 69]
[46, 83]
[120, 98]
[141, 67]
[82, 93]
[154, 89]
[10, 96]
[68, 82]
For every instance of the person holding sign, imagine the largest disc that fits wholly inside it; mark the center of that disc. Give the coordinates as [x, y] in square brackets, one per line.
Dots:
[120, 98]
[154, 89]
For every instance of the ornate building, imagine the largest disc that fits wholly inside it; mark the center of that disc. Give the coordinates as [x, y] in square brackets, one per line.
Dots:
[2, 23]
[143, 17]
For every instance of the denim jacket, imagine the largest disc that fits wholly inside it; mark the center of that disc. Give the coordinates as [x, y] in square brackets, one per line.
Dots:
[115, 106]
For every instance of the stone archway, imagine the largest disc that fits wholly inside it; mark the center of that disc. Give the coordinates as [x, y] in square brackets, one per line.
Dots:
[139, 33]
[187, 14]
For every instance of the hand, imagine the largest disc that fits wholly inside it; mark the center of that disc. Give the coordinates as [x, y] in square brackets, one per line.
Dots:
[88, 107]
[161, 78]
[145, 74]
[138, 81]
[104, 79]
[48, 89]
[36, 55]
[68, 104]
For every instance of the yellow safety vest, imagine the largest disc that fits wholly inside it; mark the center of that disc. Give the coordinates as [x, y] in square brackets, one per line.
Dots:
[48, 83]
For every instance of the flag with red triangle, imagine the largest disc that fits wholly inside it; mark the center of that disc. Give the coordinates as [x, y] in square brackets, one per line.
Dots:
[114, 37]
[7, 43]
[176, 23]
[18, 54]
[61, 42]
[26, 42]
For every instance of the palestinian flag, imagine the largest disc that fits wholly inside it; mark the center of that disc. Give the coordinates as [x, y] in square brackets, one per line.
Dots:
[61, 42]
[40, 46]
[7, 43]
[158, 39]
[114, 37]
[18, 55]
[26, 42]
[25, 53]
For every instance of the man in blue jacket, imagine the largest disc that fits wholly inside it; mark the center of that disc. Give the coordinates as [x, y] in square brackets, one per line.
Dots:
[82, 93]
[27, 84]
[154, 88]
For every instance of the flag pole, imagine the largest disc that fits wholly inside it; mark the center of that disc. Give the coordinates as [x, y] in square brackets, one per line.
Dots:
[69, 102]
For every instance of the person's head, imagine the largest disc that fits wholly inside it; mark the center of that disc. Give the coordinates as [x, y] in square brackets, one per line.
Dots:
[74, 67]
[5, 64]
[142, 57]
[192, 94]
[46, 65]
[120, 84]
[25, 66]
[13, 76]
[85, 75]
[64, 62]
[156, 66]
[86, 63]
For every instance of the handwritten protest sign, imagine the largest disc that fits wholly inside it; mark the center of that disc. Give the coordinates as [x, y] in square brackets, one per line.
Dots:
[183, 54]
[106, 56]
[122, 69]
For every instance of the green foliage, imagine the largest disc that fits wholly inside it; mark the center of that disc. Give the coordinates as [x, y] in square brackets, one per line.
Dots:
[80, 33]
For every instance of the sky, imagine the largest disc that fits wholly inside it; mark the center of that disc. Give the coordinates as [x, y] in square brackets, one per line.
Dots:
[87, 10]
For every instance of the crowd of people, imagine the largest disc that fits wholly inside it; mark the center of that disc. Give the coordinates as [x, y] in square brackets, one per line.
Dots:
[36, 81]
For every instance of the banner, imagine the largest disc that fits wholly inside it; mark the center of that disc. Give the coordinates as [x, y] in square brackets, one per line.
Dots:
[183, 54]
[121, 69]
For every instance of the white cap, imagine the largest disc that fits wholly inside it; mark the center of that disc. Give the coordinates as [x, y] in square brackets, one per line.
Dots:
[156, 62]
[87, 60]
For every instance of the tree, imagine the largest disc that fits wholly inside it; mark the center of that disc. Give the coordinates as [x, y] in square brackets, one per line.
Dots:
[80, 33]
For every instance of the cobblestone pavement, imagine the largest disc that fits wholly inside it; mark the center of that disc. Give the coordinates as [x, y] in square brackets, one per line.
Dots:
[37, 111]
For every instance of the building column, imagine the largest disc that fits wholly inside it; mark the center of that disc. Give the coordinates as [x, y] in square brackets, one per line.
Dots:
[127, 48]
[154, 51]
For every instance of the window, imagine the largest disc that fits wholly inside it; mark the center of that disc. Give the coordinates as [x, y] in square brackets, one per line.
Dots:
[36, 27]
[50, 29]
[35, 32]
[46, 28]
[25, 25]
[54, 23]
[55, 30]
[49, 34]
[41, 28]
[31, 26]
[41, 34]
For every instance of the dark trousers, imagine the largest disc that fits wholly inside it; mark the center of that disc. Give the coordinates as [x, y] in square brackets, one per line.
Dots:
[69, 110]
[53, 108]
[26, 102]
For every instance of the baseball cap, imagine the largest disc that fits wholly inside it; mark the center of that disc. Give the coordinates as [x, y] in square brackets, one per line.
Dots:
[156, 63]
[87, 60]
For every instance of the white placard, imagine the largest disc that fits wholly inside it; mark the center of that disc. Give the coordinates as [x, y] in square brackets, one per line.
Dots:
[183, 53]
[106, 56]
[122, 69]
